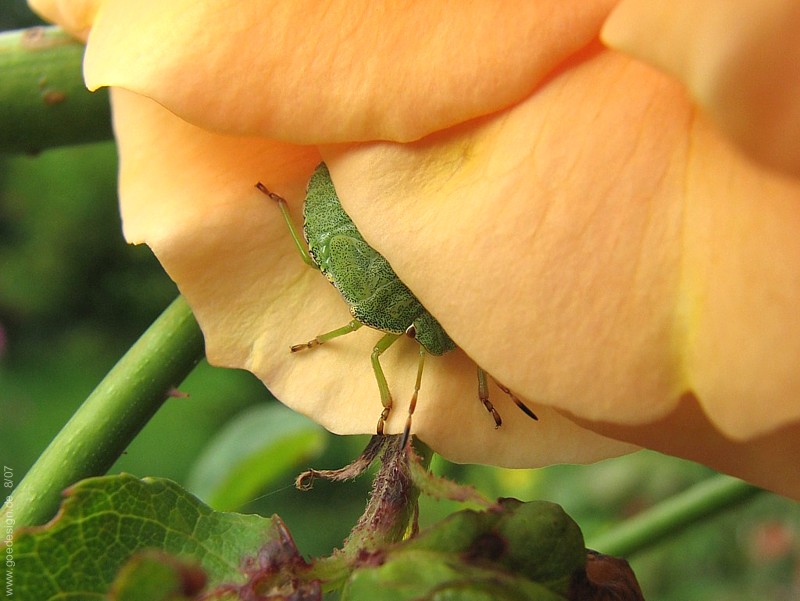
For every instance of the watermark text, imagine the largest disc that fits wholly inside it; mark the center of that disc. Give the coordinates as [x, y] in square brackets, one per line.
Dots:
[8, 529]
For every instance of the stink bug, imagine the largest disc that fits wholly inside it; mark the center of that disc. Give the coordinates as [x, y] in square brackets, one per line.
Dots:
[375, 295]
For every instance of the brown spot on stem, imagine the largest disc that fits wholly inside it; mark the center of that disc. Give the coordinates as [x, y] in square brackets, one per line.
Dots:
[42, 38]
[33, 38]
[53, 97]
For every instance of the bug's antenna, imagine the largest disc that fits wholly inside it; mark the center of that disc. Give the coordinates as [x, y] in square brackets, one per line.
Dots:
[483, 395]
[523, 407]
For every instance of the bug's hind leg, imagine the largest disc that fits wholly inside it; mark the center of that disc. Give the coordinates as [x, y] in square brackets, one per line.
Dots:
[483, 395]
[413, 404]
[386, 397]
[323, 338]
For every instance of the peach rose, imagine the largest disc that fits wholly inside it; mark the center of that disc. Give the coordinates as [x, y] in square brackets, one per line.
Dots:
[576, 223]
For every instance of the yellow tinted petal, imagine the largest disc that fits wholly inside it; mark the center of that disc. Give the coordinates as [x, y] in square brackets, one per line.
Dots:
[601, 251]
[189, 194]
[769, 460]
[742, 284]
[75, 16]
[738, 59]
[547, 239]
[313, 72]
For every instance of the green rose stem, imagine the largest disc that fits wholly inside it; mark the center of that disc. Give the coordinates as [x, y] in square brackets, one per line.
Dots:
[674, 515]
[113, 414]
[43, 100]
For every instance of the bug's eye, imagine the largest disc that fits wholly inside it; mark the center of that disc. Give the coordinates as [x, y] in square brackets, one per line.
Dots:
[411, 331]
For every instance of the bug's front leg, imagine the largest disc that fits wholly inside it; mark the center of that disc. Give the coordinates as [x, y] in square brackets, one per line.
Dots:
[323, 338]
[298, 239]
[386, 397]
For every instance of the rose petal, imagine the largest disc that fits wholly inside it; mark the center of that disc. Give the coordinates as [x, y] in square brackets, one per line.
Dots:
[547, 239]
[741, 284]
[74, 16]
[312, 72]
[623, 294]
[738, 59]
[189, 194]
[601, 251]
[769, 460]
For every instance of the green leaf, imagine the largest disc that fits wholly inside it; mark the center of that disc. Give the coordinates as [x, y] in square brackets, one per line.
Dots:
[419, 574]
[103, 521]
[156, 576]
[252, 452]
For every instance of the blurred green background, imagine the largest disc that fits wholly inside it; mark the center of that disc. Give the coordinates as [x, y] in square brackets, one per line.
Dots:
[74, 296]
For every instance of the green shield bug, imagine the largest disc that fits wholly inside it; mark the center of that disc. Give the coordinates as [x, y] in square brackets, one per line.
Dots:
[375, 295]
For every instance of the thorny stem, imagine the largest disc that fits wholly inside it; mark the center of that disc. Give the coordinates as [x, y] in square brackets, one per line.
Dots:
[390, 515]
[305, 481]
[391, 512]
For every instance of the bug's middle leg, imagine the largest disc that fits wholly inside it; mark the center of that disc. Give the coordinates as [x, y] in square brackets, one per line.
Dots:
[323, 338]
[413, 404]
[386, 397]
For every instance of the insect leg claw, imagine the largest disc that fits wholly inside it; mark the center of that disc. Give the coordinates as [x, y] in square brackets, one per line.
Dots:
[384, 416]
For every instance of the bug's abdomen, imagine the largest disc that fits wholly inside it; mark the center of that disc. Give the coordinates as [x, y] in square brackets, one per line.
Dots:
[376, 296]
[368, 284]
